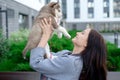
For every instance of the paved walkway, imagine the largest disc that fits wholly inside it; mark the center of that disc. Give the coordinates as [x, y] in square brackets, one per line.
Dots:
[36, 76]
[110, 37]
[113, 76]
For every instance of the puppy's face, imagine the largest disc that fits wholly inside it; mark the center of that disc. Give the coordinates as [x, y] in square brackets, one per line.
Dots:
[58, 13]
[56, 10]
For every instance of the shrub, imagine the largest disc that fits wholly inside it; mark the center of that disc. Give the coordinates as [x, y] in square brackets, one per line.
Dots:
[113, 57]
[12, 59]
[7, 65]
[23, 67]
[4, 46]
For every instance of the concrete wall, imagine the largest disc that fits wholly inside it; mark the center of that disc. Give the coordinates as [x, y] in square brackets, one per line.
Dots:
[13, 16]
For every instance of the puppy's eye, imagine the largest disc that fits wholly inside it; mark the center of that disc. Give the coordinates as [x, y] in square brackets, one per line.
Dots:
[58, 10]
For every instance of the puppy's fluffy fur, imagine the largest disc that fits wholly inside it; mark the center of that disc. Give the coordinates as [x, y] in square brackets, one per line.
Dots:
[53, 11]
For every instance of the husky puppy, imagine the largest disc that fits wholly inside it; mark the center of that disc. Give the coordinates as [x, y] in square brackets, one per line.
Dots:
[51, 10]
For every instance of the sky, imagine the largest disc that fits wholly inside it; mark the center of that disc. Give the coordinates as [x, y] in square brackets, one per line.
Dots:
[35, 4]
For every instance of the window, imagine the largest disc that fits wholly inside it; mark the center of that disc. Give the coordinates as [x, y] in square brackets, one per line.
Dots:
[105, 4]
[116, 8]
[90, 9]
[90, 12]
[90, 4]
[106, 12]
[106, 8]
[64, 9]
[76, 9]
[117, 14]
[77, 12]
[23, 21]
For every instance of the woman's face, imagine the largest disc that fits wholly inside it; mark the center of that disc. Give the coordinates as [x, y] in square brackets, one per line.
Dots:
[81, 38]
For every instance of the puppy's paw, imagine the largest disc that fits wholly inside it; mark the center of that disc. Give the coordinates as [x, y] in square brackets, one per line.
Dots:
[59, 35]
[68, 36]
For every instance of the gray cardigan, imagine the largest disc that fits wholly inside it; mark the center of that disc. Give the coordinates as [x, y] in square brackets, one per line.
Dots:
[62, 67]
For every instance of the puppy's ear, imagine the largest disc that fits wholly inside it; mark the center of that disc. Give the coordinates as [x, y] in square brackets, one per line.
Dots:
[56, 6]
[52, 4]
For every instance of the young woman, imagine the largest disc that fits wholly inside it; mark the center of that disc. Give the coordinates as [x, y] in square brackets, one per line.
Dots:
[87, 61]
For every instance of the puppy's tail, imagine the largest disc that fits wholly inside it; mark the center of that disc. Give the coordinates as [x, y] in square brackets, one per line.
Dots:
[25, 51]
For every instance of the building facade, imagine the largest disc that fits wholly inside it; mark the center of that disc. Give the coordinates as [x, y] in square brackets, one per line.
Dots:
[18, 16]
[102, 15]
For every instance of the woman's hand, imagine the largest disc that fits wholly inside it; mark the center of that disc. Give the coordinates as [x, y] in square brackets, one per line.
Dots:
[46, 27]
[47, 31]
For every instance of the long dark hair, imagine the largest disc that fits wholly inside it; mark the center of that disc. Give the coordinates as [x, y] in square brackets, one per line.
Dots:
[94, 58]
